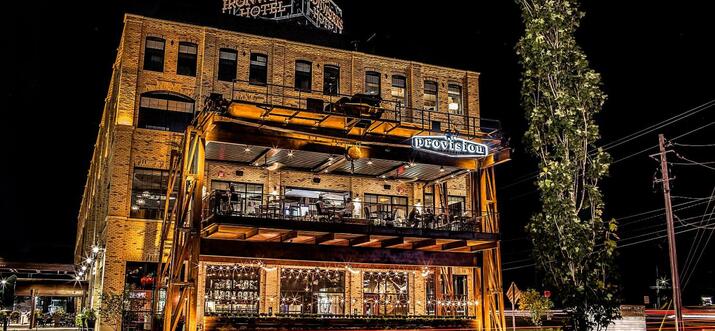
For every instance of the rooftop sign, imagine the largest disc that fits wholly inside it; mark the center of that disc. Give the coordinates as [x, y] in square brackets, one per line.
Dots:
[449, 146]
[323, 14]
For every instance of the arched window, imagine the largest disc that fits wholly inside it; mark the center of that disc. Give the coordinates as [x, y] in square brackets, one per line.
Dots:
[165, 111]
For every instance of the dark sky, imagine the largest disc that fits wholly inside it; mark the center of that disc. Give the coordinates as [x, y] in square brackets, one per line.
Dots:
[655, 62]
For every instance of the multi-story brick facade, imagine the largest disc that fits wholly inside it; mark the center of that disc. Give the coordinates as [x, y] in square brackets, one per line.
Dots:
[165, 70]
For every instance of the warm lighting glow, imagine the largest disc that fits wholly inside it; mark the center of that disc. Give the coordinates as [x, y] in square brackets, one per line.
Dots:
[95, 249]
[369, 162]
[247, 149]
[290, 153]
[84, 267]
[441, 169]
[88, 260]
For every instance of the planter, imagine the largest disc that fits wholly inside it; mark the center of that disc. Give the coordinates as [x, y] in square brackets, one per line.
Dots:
[89, 323]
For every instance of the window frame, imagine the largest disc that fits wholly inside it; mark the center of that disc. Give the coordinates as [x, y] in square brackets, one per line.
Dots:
[368, 84]
[460, 109]
[149, 52]
[257, 69]
[435, 94]
[186, 62]
[336, 88]
[222, 66]
[146, 193]
[401, 99]
[168, 116]
[303, 77]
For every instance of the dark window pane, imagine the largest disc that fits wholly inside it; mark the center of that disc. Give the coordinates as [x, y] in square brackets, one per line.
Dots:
[372, 82]
[154, 54]
[258, 71]
[166, 112]
[227, 62]
[303, 75]
[331, 80]
[186, 62]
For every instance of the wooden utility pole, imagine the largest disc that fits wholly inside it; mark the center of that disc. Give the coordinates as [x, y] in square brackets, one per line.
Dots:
[671, 234]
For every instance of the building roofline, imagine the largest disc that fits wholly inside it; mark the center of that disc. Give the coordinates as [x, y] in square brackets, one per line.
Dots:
[128, 16]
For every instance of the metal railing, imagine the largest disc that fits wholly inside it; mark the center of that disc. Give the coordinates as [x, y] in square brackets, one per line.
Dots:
[278, 207]
[388, 110]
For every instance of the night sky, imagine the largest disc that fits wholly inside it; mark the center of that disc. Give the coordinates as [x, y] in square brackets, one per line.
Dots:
[656, 62]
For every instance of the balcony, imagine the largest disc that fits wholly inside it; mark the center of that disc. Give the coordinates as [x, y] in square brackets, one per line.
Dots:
[356, 115]
[285, 219]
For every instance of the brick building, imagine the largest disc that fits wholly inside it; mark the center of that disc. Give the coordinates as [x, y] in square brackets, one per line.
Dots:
[297, 181]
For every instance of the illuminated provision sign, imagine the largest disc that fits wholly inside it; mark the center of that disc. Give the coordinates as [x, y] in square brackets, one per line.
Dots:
[449, 146]
[324, 14]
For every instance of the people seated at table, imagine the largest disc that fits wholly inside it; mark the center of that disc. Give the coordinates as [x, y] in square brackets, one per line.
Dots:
[412, 218]
[347, 210]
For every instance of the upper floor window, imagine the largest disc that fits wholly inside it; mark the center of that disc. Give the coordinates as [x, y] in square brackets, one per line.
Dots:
[331, 80]
[372, 82]
[454, 95]
[165, 111]
[227, 61]
[429, 98]
[149, 193]
[154, 54]
[186, 62]
[399, 87]
[258, 71]
[303, 76]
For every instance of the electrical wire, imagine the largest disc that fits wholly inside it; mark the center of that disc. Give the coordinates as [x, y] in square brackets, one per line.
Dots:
[634, 135]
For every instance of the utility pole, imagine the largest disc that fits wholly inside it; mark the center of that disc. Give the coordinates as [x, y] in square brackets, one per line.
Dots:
[671, 234]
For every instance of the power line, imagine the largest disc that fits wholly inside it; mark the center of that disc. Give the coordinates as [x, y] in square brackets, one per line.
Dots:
[635, 135]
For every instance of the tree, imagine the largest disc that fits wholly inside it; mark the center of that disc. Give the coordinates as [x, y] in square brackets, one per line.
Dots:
[536, 304]
[573, 245]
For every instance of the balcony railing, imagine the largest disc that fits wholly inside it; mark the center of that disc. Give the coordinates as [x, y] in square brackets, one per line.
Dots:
[278, 207]
[426, 120]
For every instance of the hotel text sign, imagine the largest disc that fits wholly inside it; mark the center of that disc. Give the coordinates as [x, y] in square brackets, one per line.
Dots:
[449, 146]
[324, 14]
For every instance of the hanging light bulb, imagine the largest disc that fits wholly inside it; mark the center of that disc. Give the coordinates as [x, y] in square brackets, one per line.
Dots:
[441, 169]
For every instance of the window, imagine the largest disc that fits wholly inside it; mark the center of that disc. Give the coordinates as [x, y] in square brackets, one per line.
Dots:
[431, 294]
[429, 201]
[245, 199]
[232, 289]
[139, 281]
[456, 204]
[312, 291]
[372, 82]
[385, 293]
[454, 96]
[227, 60]
[331, 80]
[154, 54]
[165, 111]
[429, 98]
[149, 193]
[387, 205]
[303, 76]
[399, 88]
[186, 63]
[459, 285]
[258, 71]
